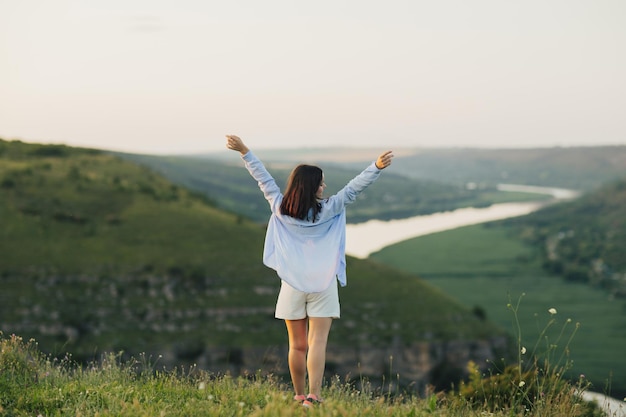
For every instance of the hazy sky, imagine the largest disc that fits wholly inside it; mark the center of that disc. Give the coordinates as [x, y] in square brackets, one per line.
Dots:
[175, 76]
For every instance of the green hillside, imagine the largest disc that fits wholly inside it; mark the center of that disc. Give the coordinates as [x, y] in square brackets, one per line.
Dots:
[481, 266]
[584, 240]
[100, 254]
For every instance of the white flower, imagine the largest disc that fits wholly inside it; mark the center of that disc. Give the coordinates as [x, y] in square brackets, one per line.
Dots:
[523, 350]
[552, 311]
[521, 384]
[201, 386]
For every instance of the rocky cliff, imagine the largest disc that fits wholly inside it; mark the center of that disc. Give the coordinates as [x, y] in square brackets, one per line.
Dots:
[414, 367]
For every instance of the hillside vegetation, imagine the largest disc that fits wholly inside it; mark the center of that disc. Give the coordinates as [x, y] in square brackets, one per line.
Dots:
[100, 254]
[572, 254]
[32, 384]
[583, 240]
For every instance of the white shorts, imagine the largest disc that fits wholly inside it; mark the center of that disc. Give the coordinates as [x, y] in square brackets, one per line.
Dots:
[293, 304]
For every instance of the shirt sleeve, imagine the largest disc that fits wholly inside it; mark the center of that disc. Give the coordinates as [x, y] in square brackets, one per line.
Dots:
[349, 193]
[264, 179]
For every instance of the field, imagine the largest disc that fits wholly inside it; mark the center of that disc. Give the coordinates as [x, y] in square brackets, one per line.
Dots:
[485, 269]
[32, 384]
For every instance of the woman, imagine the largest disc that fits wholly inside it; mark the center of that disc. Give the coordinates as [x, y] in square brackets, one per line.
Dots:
[305, 244]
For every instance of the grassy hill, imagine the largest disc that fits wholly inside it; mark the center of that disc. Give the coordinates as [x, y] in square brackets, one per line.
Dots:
[32, 384]
[584, 240]
[101, 254]
[481, 266]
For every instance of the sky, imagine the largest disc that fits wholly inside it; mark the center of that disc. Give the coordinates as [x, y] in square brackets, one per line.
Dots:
[153, 76]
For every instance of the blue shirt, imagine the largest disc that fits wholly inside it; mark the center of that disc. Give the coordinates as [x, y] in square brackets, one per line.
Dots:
[308, 255]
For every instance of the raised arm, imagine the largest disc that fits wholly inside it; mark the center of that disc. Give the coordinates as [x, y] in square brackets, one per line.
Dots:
[257, 170]
[368, 176]
[349, 193]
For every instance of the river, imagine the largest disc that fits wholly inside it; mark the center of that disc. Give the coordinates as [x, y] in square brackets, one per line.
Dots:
[366, 238]
[363, 239]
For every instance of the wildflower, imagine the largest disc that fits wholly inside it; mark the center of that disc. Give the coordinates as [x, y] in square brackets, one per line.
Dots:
[552, 311]
[523, 350]
[201, 386]
[241, 404]
[521, 384]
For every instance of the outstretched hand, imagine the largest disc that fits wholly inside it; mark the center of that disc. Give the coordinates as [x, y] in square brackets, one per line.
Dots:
[384, 160]
[236, 144]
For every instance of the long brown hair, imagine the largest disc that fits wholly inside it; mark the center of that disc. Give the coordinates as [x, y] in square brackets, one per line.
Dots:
[300, 196]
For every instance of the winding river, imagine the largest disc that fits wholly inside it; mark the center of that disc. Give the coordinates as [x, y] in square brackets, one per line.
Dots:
[366, 238]
[363, 239]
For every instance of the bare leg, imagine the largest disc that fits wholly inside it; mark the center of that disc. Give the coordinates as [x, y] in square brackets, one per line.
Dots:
[297, 353]
[319, 327]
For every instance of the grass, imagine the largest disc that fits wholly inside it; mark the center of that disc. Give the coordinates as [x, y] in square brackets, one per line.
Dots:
[482, 266]
[33, 384]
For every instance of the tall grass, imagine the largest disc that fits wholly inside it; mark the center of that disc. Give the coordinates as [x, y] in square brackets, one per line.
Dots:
[536, 383]
[33, 384]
